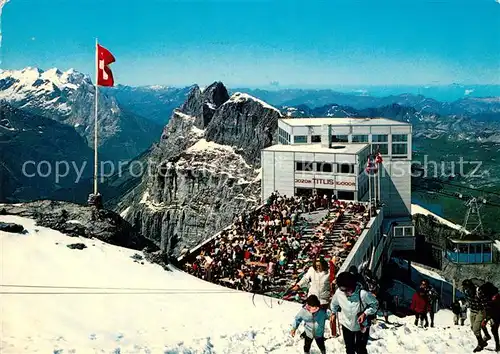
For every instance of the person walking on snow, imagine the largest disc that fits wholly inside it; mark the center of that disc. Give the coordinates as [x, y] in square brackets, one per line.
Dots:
[477, 314]
[353, 306]
[420, 305]
[314, 318]
[317, 279]
[490, 293]
[432, 295]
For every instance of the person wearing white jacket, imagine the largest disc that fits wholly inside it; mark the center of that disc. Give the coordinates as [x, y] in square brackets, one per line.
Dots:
[317, 279]
[353, 307]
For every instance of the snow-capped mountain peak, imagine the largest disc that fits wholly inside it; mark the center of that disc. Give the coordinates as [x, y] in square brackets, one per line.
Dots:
[69, 97]
[243, 97]
[32, 79]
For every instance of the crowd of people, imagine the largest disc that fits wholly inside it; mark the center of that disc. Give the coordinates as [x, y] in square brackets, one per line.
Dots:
[268, 249]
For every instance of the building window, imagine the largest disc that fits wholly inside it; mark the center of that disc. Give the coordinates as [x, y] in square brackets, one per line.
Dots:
[379, 138]
[399, 138]
[360, 138]
[400, 149]
[398, 231]
[346, 168]
[345, 195]
[408, 231]
[304, 166]
[340, 139]
[316, 139]
[284, 137]
[382, 148]
[325, 167]
[300, 139]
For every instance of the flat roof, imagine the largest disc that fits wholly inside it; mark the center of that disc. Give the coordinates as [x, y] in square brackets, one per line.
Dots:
[337, 148]
[341, 121]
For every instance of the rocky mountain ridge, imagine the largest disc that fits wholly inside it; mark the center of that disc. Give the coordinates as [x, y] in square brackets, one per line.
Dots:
[204, 169]
[69, 97]
[77, 220]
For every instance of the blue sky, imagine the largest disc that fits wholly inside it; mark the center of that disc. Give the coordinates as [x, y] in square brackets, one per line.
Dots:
[252, 43]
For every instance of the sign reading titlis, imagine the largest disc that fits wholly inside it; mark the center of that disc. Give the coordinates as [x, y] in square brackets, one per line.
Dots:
[322, 181]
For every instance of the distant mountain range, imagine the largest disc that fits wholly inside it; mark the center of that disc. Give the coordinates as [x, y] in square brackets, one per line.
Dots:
[443, 93]
[68, 97]
[132, 121]
[153, 102]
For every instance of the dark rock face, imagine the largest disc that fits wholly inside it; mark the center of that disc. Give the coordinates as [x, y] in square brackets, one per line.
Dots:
[11, 227]
[202, 105]
[77, 246]
[200, 178]
[245, 123]
[77, 220]
[27, 140]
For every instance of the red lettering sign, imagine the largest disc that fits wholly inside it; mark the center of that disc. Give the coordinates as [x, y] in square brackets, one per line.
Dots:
[343, 183]
[321, 181]
[303, 181]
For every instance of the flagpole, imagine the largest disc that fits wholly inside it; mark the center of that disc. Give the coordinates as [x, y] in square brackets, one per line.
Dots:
[369, 189]
[379, 171]
[95, 115]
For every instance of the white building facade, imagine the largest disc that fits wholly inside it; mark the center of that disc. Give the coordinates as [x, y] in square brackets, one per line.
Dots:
[393, 139]
[311, 169]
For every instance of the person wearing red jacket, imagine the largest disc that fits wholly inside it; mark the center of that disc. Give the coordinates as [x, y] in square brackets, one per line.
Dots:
[421, 306]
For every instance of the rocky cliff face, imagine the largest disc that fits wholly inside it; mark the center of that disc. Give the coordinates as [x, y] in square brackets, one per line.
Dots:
[76, 220]
[204, 169]
[39, 157]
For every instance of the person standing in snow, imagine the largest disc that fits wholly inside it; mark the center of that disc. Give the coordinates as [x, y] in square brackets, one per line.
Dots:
[314, 318]
[353, 306]
[490, 293]
[420, 305]
[463, 311]
[432, 295]
[317, 279]
[456, 308]
[477, 314]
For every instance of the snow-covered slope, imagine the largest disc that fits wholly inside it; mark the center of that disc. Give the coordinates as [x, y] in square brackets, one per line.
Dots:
[417, 209]
[99, 300]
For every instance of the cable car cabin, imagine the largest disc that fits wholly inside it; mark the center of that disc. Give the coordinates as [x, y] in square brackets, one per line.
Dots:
[471, 249]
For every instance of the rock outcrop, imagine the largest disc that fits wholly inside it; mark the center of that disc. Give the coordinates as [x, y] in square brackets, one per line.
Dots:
[204, 169]
[77, 220]
[11, 227]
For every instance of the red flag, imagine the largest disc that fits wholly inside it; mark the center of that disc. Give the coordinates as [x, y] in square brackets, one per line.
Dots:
[378, 158]
[104, 74]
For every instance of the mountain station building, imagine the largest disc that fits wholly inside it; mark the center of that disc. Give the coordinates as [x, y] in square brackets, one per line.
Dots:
[328, 156]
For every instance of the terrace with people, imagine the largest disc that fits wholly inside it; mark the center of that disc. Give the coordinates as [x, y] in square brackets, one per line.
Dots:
[269, 249]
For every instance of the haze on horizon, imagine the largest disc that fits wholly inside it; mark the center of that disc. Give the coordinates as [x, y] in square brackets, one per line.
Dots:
[258, 42]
